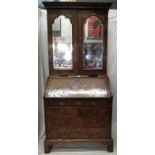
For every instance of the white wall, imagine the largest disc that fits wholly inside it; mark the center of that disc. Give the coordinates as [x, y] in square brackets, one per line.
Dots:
[112, 66]
[43, 66]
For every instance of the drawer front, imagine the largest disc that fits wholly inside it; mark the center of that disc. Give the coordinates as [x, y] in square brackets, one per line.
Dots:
[76, 112]
[79, 122]
[70, 104]
[78, 133]
[78, 103]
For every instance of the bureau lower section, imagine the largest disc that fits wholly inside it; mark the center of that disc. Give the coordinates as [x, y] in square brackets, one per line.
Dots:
[78, 120]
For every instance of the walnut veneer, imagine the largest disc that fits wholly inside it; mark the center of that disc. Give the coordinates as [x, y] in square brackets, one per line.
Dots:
[77, 118]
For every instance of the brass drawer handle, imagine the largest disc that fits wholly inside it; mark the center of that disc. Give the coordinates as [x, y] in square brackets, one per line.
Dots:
[94, 104]
[78, 103]
[61, 104]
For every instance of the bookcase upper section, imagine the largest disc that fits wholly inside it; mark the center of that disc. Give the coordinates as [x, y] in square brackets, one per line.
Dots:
[77, 38]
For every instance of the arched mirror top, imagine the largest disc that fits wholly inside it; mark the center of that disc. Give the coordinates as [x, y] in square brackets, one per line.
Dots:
[61, 15]
[62, 43]
[93, 28]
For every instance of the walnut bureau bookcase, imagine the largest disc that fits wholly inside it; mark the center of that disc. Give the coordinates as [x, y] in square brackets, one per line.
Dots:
[78, 98]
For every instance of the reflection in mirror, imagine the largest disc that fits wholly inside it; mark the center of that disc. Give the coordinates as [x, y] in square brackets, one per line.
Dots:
[93, 44]
[62, 43]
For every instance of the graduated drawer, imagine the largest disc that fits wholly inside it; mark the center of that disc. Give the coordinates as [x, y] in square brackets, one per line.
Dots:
[49, 102]
[78, 133]
[99, 121]
[76, 112]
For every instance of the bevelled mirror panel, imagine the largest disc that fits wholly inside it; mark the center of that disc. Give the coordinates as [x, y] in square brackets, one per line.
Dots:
[93, 44]
[62, 43]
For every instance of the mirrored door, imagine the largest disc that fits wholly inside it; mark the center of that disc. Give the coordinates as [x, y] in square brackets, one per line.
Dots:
[62, 44]
[93, 44]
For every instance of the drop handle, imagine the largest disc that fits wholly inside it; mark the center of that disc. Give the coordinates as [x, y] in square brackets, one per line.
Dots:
[78, 103]
[61, 104]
